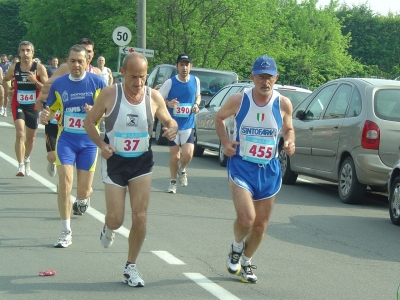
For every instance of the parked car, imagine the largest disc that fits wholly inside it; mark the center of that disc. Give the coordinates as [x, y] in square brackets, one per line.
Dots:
[211, 81]
[205, 134]
[347, 131]
[394, 194]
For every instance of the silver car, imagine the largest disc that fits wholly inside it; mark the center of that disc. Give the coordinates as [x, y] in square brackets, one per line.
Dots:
[205, 135]
[394, 194]
[347, 131]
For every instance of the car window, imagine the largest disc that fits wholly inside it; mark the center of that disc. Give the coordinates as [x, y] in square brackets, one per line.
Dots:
[318, 105]
[233, 90]
[152, 76]
[216, 100]
[387, 104]
[355, 104]
[163, 74]
[212, 82]
[294, 96]
[338, 105]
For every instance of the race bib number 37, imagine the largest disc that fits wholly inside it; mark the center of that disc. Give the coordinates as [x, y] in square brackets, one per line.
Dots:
[74, 122]
[259, 150]
[131, 144]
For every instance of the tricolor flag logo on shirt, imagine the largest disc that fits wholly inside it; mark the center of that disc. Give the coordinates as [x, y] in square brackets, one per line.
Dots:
[260, 117]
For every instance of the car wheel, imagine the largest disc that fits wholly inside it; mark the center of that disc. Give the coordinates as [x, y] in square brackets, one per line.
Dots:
[198, 151]
[394, 201]
[222, 158]
[288, 176]
[160, 140]
[351, 191]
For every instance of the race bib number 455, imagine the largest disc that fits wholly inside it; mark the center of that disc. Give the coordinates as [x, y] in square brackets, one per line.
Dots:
[259, 150]
[131, 144]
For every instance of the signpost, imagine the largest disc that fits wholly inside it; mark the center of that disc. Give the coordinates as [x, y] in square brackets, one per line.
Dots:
[128, 49]
[122, 37]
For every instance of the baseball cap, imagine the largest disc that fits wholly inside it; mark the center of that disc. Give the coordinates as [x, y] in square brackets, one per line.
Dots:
[183, 57]
[264, 65]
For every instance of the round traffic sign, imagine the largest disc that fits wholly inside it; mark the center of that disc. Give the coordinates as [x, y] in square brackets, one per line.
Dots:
[122, 36]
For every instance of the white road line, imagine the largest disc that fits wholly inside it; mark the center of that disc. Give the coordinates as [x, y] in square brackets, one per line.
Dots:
[6, 124]
[205, 283]
[168, 257]
[211, 287]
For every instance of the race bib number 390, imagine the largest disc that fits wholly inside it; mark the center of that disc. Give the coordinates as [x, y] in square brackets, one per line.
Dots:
[182, 111]
[259, 150]
[26, 97]
[131, 144]
[74, 122]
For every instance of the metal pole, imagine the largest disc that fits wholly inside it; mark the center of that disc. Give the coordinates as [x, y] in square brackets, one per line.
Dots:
[141, 24]
[119, 60]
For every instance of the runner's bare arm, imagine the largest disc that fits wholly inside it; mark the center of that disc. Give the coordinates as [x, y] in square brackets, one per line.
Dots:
[230, 108]
[9, 75]
[102, 105]
[161, 112]
[287, 126]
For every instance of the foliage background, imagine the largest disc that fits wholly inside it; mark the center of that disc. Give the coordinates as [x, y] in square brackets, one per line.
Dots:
[310, 45]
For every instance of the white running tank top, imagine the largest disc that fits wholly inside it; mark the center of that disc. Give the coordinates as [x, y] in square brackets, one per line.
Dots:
[257, 128]
[128, 125]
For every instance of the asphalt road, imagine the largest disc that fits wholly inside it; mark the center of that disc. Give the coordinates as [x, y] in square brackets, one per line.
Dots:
[315, 247]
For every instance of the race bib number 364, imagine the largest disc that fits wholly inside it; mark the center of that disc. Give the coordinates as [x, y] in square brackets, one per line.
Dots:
[26, 97]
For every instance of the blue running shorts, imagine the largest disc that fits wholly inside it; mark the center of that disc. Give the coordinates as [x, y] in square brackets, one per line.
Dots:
[262, 181]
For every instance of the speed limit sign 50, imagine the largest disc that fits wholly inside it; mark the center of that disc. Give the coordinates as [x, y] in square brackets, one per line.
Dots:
[122, 36]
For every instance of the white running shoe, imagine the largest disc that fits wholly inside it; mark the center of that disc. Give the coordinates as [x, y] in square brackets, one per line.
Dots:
[233, 261]
[172, 188]
[247, 274]
[51, 169]
[132, 277]
[81, 205]
[65, 240]
[27, 168]
[5, 113]
[182, 178]
[107, 236]
[1, 110]
[21, 170]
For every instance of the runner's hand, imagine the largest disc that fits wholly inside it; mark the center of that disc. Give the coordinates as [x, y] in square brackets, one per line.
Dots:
[43, 116]
[169, 133]
[107, 151]
[230, 148]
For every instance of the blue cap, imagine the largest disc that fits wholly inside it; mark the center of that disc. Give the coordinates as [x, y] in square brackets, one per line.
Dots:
[264, 65]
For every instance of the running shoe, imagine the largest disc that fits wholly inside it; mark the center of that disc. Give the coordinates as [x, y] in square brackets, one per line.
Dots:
[172, 188]
[81, 205]
[107, 236]
[232, 263]
[182, 178]
[51, 169]
[21, 170]
[247, 274]
[75, 210]
[132, 277]
[27, 167]
[65, 239]
[5, 113]
[1, 110]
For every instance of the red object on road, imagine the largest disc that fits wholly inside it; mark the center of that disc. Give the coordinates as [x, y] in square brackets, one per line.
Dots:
[47, 273]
